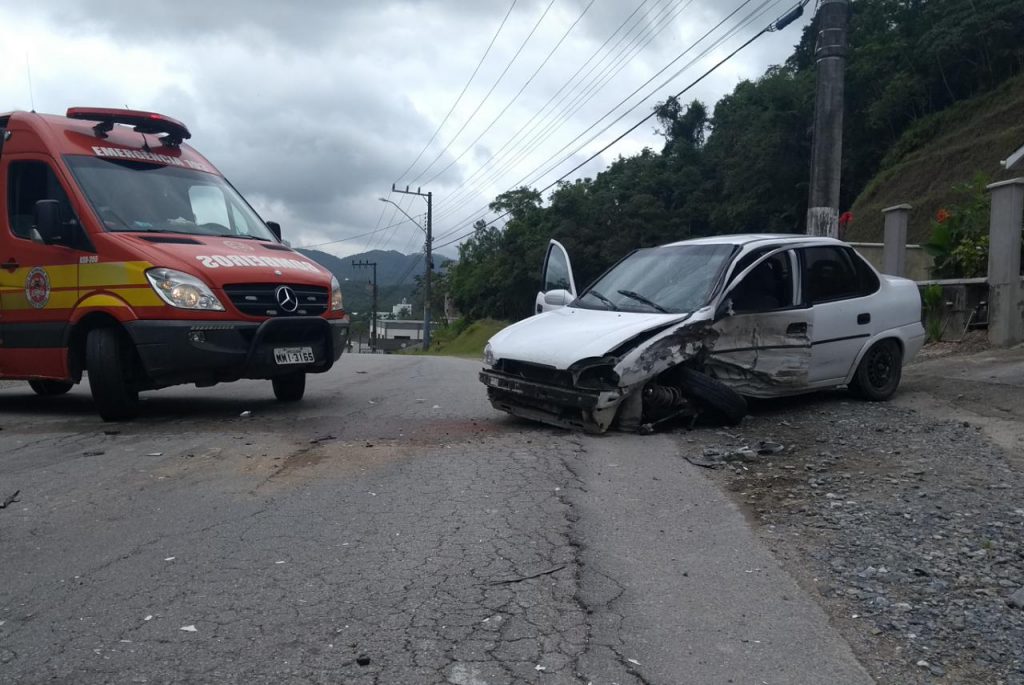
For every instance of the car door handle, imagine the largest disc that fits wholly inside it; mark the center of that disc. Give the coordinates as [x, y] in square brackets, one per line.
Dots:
[797, 328]
[11, 265]
[863, 319]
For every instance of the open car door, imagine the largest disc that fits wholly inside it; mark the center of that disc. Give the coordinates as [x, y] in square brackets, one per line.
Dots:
[558, 286]
[763, 348]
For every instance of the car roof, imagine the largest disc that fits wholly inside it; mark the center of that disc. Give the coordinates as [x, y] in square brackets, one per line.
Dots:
[749, 238]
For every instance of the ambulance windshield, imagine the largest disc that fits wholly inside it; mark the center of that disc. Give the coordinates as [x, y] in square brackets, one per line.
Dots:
[139, 196]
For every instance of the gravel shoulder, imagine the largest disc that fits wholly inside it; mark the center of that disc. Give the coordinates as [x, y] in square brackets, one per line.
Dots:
[904, 519]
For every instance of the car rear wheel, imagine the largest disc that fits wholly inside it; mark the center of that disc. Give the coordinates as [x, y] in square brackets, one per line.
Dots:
[110, 361]
[719, 399]
[49, 388]
[290, 388]
[879, 372]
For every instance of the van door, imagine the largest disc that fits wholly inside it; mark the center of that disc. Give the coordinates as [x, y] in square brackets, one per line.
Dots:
[38, 281]
[558, 285]
[763, 348]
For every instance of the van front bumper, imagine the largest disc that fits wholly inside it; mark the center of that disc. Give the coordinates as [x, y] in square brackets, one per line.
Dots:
[207, 352]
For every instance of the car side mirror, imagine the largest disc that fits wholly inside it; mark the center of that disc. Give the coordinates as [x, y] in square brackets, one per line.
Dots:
[46, 217]
[558, 298]
[275, 228]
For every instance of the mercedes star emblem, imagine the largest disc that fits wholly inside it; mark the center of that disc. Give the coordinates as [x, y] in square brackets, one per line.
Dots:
[286, 298]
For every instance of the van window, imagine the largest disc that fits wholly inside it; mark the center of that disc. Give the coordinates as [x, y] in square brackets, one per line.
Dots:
[27, 183]
[208, 206]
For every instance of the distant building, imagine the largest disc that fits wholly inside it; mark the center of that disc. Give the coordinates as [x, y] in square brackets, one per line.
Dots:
[402, 310]
[398, 334]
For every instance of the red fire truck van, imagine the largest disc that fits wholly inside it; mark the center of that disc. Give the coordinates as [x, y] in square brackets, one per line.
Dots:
[126, 256]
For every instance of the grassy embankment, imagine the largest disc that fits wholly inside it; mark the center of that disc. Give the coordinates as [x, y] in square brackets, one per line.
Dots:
[938, 152]
[463, 341]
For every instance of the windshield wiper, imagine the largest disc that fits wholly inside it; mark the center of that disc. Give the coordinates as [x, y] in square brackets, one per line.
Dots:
[235, 236]
[611, 305]
[640, 298]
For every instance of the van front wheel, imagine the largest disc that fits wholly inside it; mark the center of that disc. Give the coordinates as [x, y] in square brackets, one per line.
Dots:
[290, 388]
[109, 361]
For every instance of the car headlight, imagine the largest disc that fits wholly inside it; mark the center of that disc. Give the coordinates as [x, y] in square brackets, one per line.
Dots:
[336, 300]
[488, 355]
[183, 290]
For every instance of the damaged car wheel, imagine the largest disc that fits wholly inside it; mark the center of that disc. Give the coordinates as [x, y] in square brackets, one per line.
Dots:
[717, 398]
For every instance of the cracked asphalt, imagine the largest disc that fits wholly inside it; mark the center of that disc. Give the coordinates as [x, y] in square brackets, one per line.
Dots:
[391, 528]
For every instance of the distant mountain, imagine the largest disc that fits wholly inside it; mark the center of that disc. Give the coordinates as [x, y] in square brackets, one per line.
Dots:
[396, 276]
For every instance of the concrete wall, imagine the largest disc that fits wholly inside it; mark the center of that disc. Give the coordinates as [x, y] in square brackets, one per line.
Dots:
[919, 262]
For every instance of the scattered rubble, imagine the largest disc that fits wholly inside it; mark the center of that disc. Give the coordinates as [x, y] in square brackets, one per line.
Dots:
[908, 529]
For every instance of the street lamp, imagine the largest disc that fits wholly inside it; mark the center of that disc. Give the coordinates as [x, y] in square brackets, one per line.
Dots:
[427, 247]
[407, 215]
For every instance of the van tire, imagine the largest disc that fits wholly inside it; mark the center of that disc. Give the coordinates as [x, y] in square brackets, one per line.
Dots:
[50, 388]
[290, 388]
[110, 362]
[722, 401]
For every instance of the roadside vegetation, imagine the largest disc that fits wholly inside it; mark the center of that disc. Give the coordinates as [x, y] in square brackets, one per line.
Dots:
[462, 338]
[743, 164]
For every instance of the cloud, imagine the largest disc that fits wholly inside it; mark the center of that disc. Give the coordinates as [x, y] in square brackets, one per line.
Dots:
[312, 110]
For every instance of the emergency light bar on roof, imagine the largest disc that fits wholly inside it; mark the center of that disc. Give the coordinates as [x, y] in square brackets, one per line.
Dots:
[143, 122]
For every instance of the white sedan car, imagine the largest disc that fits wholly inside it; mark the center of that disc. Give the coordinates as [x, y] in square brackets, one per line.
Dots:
[695, 326]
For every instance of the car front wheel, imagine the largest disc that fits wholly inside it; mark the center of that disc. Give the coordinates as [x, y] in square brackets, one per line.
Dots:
[879, 372]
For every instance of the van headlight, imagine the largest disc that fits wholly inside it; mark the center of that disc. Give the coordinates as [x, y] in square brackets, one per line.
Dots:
[182, 290]
[336, 300]
[488, 355]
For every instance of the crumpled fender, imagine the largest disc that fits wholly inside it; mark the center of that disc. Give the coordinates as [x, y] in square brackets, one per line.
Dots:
[676, 344]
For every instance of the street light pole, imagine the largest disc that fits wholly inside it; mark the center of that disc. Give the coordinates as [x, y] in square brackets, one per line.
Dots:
[373, 313]
[428, 251]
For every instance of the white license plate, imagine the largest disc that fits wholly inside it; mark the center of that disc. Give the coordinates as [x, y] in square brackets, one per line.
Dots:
[294, 355]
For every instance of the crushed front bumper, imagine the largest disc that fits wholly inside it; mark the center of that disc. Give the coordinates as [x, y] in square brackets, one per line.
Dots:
[572, 408]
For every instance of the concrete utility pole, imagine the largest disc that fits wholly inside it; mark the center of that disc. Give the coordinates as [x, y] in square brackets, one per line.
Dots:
[827, 139]
[373, 313]
[427, 249]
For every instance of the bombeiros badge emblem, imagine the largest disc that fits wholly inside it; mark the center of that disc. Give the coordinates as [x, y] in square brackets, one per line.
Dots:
[37, 287]
[238, 245]
[286, 298]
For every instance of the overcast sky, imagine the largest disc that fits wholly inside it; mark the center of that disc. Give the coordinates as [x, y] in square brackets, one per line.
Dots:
[313, 109]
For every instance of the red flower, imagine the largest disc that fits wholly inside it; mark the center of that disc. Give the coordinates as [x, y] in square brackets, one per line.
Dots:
[942, 216]
[845, 218]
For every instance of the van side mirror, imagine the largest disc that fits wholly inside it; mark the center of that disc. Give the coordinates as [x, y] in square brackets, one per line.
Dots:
[46, 216]
[275, 228]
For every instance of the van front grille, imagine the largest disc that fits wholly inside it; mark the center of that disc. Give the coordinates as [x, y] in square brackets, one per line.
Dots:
[261, 299]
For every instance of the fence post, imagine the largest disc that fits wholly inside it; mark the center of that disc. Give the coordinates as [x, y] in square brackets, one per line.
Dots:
[894, 245]
[1005, 322]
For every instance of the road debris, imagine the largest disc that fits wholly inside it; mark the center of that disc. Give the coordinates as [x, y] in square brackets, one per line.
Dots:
[11, 499]
[189, 629]
[155, 454]
[149, 617]
[170, 558]
[93, 453]
[323, 438]
[245, 414]
[509, 581]
[363, 660]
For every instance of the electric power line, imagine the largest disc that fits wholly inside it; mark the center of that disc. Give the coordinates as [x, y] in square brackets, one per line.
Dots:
[770, 27]
[628, 97]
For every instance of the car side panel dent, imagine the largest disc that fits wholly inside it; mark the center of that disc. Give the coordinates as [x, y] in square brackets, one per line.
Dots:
[762, 355]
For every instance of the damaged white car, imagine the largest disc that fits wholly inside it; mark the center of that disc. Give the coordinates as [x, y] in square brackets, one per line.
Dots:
[696, 326]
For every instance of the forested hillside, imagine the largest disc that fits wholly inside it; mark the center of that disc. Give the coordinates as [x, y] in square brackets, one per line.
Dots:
[744, 166]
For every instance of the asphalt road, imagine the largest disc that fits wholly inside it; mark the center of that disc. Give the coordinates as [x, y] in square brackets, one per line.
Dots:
[391, 528]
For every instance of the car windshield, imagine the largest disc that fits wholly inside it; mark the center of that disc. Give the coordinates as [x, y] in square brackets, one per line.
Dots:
[671, 279]
[138, 196]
